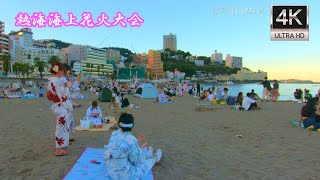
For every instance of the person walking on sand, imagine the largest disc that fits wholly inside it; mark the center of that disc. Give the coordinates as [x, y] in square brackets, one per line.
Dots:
[185, 88]
[62, 107]
[275, 91]
[266, 89]
[198, 89]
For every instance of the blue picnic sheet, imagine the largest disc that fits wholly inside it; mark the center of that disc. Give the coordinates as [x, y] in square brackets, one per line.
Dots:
[83, 169]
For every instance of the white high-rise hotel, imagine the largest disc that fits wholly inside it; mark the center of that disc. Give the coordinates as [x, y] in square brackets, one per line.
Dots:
[22, 48]
[217, 57]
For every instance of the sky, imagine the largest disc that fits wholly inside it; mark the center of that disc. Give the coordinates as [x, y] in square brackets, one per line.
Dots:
[199, 29]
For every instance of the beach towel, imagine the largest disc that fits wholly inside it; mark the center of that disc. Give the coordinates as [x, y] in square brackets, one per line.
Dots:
[11, 97]
[88, 167]
[29, 97]
[296, 123]
[105, 127]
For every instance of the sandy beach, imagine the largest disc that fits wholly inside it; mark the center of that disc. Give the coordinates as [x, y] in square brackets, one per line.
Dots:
[196, 145]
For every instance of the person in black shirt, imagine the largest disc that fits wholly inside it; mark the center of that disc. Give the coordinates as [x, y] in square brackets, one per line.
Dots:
[198, 89]
[266, 89]
[310, 115]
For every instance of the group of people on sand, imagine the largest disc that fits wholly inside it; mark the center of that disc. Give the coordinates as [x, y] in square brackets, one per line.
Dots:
[246, 102]
[18, 90]
[124, 157]
[270, 93]
[304, 96]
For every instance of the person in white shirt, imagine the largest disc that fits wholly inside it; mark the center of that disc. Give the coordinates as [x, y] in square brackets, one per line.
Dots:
[118, 100]
[94, 115]
[210, 97]
[222, 95]
[248, 103]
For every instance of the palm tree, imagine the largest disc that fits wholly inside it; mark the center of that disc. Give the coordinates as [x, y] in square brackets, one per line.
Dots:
[98, 69]
[40, 65]
[17, 67]
[26, 69]
[5, 59]
[88, 66]
[91, 67]
[102, 66]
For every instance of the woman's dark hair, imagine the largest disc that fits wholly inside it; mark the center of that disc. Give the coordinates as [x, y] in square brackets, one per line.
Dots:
[309, 109]
[239, 98]
[126, 118]
[60, 66]
[94, 104]
[67, 68]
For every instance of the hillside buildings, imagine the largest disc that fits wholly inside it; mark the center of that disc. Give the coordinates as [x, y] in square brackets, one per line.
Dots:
[87, 59]
[155, 65]
[217, 58]
[233, 61]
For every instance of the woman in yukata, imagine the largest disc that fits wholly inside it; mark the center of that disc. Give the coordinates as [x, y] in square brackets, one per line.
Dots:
[75, 88]
[124, 157]
[62, 107]
[94, 115]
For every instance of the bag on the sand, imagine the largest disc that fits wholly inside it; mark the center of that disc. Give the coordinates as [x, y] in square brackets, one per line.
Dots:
[231, 100]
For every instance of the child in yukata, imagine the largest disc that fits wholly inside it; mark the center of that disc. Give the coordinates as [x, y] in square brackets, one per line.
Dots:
[124, 157]
[94, 115]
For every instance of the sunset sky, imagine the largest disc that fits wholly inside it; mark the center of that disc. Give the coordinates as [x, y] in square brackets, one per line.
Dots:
[198, 28]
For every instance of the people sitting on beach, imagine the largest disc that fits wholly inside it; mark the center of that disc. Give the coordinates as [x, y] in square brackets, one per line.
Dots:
[124, 101]
[94, 115]
[211, 97]
[163, 98]
[6, 92]
[191, 91]
[307, 96]
[310, 114]
[204, 95]
[249, 104]
[239, 101]
[318, 95]
[298, 94]
[125, 158]
[254, 96]
[170, 93]
[222, 96]
[113, 104]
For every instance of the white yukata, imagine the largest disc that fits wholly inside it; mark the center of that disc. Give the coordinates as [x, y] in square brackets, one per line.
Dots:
[163, 98]
[94, 120]
[63, 109]
[64, 80]
[124, 158]
[75, 89]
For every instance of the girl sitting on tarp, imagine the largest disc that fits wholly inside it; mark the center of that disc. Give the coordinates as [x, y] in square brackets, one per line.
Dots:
[94, 115]
[310, 114]
[124, 156]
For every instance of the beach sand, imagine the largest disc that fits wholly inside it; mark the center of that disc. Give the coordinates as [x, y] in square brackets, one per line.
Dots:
[196, 145]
